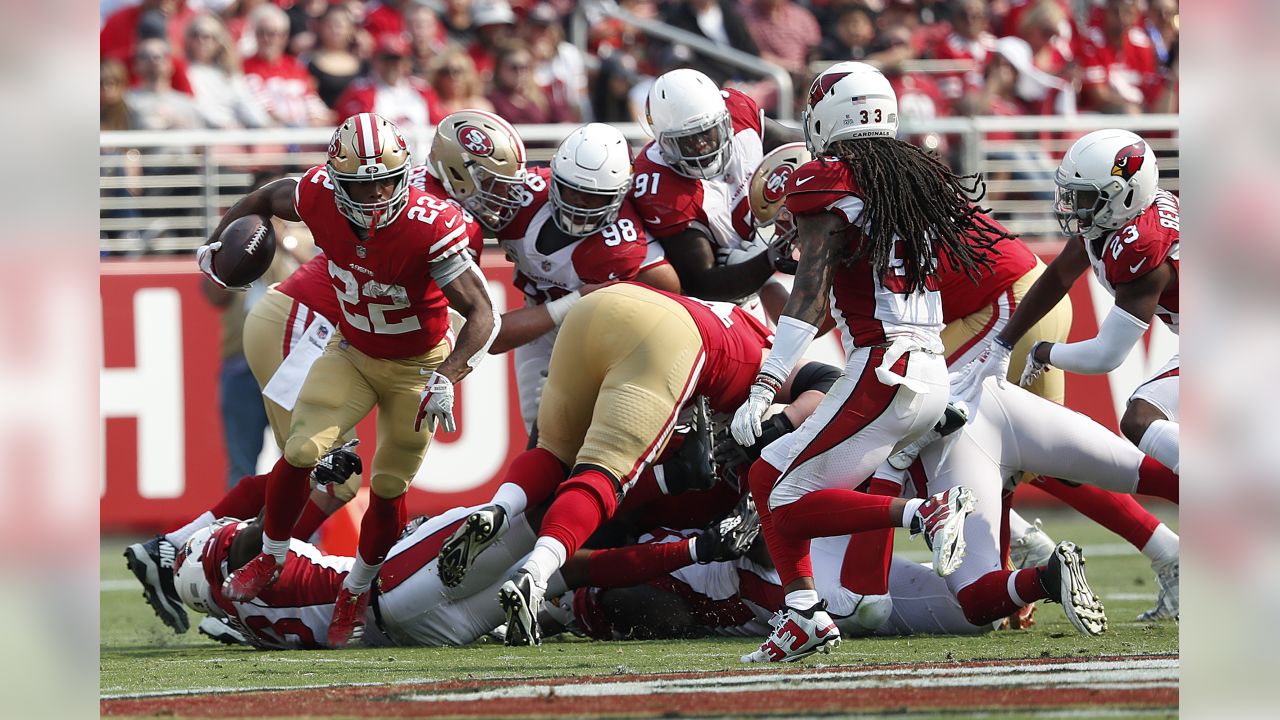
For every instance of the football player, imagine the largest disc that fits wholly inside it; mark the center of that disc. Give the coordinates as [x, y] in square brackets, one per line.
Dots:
[397, 259]
[1123, 225]
[692, 181]
[875, 217]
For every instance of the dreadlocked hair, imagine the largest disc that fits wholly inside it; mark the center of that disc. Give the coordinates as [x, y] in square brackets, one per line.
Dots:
[913, 197]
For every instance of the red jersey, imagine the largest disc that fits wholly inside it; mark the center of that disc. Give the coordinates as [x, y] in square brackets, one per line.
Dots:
[421, 178]
[310, 285]
[285, 88]
[670, 203]
[295, 611]
[1138, 247]
[412, 105]
[961, 296]
[614, 252]
[868, 309]
[1130, 70]
[954, 47]
[734, 343]
[390, 305]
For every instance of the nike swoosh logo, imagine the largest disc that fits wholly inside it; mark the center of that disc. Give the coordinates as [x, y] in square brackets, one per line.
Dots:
[801, 182]
[449, 224]
[423, 371]
[1134, 268]
[655, 220]
[613, 276]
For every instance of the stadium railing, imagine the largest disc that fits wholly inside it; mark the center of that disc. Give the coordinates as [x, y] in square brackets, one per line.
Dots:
[163, 191]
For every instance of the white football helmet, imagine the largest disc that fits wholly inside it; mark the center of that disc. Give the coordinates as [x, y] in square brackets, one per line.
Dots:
[367, 147]
[688, 118]
[590, 177]
[1106, 179]
[849, 100]
[480, 159]
[767, 192]
[191, 582]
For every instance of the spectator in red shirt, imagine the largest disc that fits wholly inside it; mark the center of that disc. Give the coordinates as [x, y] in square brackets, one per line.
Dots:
[333, 62]
[391, 92]
[786, 33]
[517, 97]
[494, 25]
[128, 26]
[1042, 26]
[458, 85]
[969, 41]
[387, 17]
[281, 83]
[1120, 73]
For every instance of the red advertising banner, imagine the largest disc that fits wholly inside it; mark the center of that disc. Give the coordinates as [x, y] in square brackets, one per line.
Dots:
[164, 460]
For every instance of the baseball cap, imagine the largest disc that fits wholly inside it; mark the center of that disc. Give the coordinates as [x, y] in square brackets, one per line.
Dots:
[392, 44]
[495, 12]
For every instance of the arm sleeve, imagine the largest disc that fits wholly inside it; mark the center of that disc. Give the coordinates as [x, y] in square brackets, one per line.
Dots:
[1119, 332]
[790, 341]
[448, 268]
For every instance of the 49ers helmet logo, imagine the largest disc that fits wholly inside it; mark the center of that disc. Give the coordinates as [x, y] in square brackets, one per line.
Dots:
[335, 145]
[822, 85]
[777, 183]
[475, 140]
[1129, 160]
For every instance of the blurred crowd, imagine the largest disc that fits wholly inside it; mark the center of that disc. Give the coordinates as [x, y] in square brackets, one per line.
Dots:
[173, 64]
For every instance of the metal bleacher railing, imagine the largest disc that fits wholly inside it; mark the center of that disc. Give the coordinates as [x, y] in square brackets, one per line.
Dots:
[162, 192]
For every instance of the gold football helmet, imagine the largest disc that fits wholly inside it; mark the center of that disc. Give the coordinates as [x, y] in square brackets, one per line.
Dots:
[767, 192]
[480, 159]
[367, 147]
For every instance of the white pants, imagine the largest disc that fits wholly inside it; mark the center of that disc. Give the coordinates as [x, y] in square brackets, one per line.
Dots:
[532, 363]
[923, 604]
[1162, 389]
[857, 426]
[1015, 431]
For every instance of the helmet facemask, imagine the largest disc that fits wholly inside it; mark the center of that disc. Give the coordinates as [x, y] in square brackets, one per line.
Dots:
[702, 151]
[498, 197]
[1078, 206]
[374, 215]
[782, 244]
[579, 219]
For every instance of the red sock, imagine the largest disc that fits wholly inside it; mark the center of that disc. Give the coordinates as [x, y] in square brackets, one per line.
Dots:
[636, 564]
[584, 501]
[1158, 480]
[287, 491]
[988, 600]
[1121, 514]
[538, 473]
[832, 512]
[312, 516]
[790, 556]
[379, 528]
[866, 560]
[243, 501]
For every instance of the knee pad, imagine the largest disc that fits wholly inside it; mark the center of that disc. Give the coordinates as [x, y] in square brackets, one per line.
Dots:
[388, 486]
[301, 451]
[856, 614]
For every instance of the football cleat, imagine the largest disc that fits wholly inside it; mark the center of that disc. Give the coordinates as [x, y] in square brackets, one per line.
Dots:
[1063, 580]
[941, 519]
[249, 581]
[730, 537]
[347, 625]
[797, 634]
[953, 418]
[219, 630]
[1167, 601]
[481, 529]
[520, 598]
[692, 467]
[152, 563]
[1031, 549]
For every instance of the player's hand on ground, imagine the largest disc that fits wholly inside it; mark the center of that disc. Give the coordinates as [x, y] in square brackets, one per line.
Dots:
[966, 385]
[746, 421]
[436, 405]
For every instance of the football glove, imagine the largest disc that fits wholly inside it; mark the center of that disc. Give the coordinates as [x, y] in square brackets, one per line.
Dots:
[993, 362]
[746, 421]
[1033, 368]
[731, 537]
[204, 261]
[731, 456]
[436, 405]
[338, 465]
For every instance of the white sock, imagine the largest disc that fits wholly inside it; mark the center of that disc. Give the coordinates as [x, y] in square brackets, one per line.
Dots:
[1160, 441]
[279, 548]
[801, 599]
[910, 511]
[179, 537]
[361, 575]
[547, 557]
[511, 498]
[1018, 525]
[1163, 545]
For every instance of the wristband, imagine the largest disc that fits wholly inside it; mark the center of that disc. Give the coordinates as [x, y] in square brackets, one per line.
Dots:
[560, 307]
[1002, 343]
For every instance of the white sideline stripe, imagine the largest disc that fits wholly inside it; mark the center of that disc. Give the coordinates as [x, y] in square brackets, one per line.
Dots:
[1165, 669]
[1105, 675]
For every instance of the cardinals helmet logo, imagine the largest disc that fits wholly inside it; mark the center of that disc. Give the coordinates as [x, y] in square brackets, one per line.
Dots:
[1129, 160]
[822, 85]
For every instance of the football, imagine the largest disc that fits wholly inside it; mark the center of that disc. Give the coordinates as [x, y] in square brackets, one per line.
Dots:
[248, 246]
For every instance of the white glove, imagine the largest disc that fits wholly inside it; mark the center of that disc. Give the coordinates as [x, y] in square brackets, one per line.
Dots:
[204, 260]
[1033, 368]
[436, 405]
[746, 421]
[993, 361]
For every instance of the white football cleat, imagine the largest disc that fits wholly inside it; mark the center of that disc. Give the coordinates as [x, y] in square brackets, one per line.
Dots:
[1063, 579]
[1031, 549]
[941, 519]
[521, 598]
[797, 634]
[1167, 601]
[219, 630]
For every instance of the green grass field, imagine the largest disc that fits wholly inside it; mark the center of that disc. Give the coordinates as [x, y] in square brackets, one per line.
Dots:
[140, 655]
